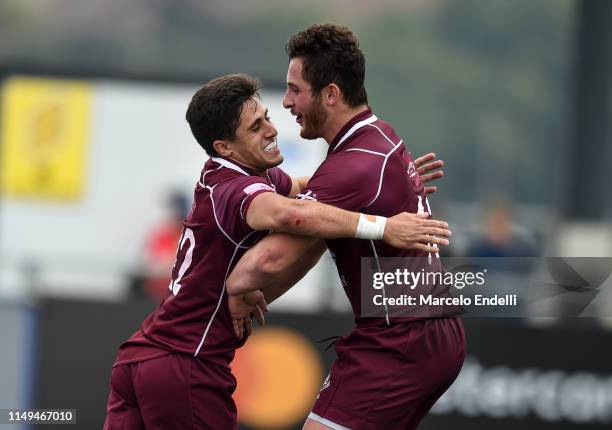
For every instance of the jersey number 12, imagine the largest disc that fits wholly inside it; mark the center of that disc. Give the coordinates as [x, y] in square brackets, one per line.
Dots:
[175, 284]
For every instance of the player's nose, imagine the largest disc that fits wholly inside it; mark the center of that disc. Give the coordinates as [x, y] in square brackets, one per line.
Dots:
[287, 103]
[271, 131]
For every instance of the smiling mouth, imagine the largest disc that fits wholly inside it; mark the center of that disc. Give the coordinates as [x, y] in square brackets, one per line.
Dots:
[271, 147]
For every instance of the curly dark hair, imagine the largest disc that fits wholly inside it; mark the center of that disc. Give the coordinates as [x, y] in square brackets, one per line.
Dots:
[331, 54]
[215, 109]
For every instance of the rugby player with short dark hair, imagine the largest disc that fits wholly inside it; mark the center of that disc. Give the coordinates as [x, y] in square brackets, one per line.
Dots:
[174, 372]
[389, 370]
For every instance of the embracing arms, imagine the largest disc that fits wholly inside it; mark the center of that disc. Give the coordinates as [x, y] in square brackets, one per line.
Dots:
[278, 261]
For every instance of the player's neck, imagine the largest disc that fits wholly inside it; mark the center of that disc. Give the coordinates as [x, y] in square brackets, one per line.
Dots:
[339, 119]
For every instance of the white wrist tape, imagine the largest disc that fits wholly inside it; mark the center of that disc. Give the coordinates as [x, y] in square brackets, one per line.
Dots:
[373, 230]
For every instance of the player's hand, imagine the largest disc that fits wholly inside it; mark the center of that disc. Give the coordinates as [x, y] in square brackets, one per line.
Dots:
[427, 170]
[244, 308]
[256, 298]
[415, 231]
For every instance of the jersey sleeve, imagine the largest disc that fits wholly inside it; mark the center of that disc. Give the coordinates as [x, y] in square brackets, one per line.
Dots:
[349, 180]
[232, 200]
[280, 180]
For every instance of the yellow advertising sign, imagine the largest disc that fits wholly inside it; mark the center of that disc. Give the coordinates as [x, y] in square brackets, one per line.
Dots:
[45, 132]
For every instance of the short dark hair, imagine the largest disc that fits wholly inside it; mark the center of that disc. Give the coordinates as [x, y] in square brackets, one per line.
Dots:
[331, 54]
[215, 109]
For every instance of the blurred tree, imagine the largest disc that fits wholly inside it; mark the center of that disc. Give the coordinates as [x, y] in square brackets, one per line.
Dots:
[482, 83]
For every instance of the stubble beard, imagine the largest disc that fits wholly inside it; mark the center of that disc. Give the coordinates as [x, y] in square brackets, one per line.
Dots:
[313, 120]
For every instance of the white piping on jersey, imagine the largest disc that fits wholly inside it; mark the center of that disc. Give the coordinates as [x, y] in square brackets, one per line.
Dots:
[210, 189]
[382, 172]
[240, 210]
[229, 165]
[202, 182]
[369, 122]
[365, 150]
[384, 135]
[353, 129]
[270, 180]
[212, 318]
[332, 425]
[383, 288]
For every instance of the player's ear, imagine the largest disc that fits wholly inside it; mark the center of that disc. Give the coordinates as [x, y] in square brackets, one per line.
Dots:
[222, 147]
[331, 94]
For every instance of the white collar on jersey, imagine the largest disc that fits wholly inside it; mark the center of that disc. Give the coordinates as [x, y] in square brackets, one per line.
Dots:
[354, 128]
[228, 164]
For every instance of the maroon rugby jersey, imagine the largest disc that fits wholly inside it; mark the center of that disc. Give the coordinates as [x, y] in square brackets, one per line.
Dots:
[367, 169]
[194, 317]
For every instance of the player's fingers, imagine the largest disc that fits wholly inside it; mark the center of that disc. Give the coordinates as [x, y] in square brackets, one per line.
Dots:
[424, 159]
[238, 327]
[435, 223]
[440, 241]
[426, 239]
[426, 168]
[438, 231]
[430, 190]
[426, 248]
[423, 215]
[251, 298]
[248, 324]
[259, 316]
[432, 176]
[262, 305]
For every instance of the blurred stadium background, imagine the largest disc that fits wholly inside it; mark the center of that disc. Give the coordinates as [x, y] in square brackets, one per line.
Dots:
[97, 165]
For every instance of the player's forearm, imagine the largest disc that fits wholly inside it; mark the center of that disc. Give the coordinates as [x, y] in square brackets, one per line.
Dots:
[269, 211]
[308, 218]
[281, 282]
[246, 276]
[271, 263]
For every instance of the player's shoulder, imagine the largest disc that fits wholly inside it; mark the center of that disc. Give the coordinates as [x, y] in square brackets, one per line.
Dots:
[377, 136]
[224, 174]
[276, 171]
[276, 174]
[240, 185]
[348, 169]
[226, 188]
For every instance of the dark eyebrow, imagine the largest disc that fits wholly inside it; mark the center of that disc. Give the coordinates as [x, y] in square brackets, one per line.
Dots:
[292, 85]
[257, 121]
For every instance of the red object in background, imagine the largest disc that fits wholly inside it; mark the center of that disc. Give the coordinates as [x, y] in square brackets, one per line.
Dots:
[160, 256]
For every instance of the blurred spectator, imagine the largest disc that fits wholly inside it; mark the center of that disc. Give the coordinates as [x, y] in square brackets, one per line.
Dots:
[501, 239]
[160, 247]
